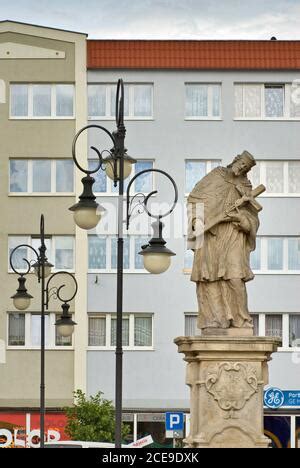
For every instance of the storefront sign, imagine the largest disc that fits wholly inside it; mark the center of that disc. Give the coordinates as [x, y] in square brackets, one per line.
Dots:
[275, 398]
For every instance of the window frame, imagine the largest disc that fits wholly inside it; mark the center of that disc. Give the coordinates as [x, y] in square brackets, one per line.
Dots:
[131, 316]
[209, 116]
[29, 192]
[109, 269]
[262, 178]
[208, 169]
[50, 253]
[264, 257]
[286, 103]
[51, 330]
[111, 87]
[53, 115]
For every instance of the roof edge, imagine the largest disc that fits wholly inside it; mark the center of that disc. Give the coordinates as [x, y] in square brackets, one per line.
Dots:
[43, 27]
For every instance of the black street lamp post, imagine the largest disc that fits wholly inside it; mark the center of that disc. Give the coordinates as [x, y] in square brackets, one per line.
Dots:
[87, 214]
[65, 325]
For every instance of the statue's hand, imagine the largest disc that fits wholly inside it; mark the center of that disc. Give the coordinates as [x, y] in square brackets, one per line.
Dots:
[240, 221]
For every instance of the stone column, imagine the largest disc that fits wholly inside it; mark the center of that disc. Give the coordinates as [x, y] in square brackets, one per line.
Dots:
[226, 376]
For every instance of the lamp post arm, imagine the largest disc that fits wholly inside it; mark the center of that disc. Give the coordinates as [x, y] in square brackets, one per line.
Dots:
[146, 198]
[58, 290]
[24, 259]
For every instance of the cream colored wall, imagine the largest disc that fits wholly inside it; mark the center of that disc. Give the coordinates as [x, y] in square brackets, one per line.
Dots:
[19, 377]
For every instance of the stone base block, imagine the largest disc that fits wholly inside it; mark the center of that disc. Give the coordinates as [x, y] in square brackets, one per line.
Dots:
[226, 376]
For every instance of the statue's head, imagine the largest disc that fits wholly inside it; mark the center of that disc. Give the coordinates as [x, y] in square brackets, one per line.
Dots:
[242, 163]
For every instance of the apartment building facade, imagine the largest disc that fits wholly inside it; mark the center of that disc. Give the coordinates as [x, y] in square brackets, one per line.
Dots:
[42, 105]
[190, 106]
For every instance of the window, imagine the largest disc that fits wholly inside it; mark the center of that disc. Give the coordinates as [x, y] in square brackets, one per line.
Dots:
[60, 251]
[16, 330]
[103, 253]
[105, 186]
[41, 176]
[46, 101]
[255, 319]
[266, 101]
[137, 331]
[294, 331]
[274, 325]
[202, 101]
[281, 178]
[276, 255]
[24, 331]
[190, 325]
[195, 170]
[138, 101]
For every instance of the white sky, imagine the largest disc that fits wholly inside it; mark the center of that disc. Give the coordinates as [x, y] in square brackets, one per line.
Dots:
[162, 19]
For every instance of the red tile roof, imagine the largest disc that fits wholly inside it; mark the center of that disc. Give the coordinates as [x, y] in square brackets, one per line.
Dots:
[267, 55]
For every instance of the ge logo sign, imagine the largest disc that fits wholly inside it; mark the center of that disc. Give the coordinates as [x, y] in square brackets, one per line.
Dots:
[274, 398]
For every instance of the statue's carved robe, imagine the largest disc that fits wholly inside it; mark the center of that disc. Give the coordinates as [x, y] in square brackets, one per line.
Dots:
[221, 264]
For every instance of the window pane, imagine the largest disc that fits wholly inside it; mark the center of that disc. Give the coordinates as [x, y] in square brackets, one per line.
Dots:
[275, 254]
[41, 176]
[255, 257]
[294, 254]
[36, 330]
[294, 177]
[196, 104]
[274, 325]
[254, 175]
[41, 95]
[16, 330]
[18, 175]
[19, 100]
[188, 259]
[62, 340]
[143, 100]
[252, 101]
[274, 177]
[125, 332]
[64, 100]
[294, 321]
[144, 183]
[216, 99]
[64, 176]
[294, 100]
[114, 251]
[238, 100]
[138, 242]
[97, 100]
[97, 331]
[64, 253]
[19, 254]
[255, 319]
[100, 185]
[97, 253]
[194, 171]
[142, 331]
[274, 97]
[190, 325]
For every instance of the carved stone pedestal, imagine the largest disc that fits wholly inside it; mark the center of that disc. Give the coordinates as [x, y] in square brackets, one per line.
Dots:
[227, 376]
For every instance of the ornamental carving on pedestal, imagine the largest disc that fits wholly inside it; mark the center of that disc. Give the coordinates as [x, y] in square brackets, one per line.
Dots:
[232, 385]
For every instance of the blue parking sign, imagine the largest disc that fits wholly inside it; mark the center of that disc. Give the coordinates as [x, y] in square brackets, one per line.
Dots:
[174, 421]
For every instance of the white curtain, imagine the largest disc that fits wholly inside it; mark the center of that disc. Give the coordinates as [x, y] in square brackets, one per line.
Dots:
[64, 100]
[97, 331]
[41, 95]
[252, 101]
[96, 100]
[191, 328]
[16, 333]
[142, 100]
[19, 100]
[143, 331]
[294, 176]
[275, 254]
[274, 325]
[294, 253]
[196, 101]
[294, 330]
[125, 332]
[274, 99]
[274, 177]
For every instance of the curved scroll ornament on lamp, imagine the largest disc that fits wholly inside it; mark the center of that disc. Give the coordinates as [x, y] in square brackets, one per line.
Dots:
[22, 299]
[65, 324]
[87, 212]
[156, 256]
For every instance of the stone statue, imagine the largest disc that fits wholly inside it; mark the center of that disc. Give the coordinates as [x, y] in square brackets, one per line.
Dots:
[222, 234]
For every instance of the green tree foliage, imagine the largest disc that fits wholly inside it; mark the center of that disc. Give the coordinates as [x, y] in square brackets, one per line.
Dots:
[92, 419]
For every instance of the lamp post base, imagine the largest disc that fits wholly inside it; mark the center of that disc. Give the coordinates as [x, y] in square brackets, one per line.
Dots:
[226, 376]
